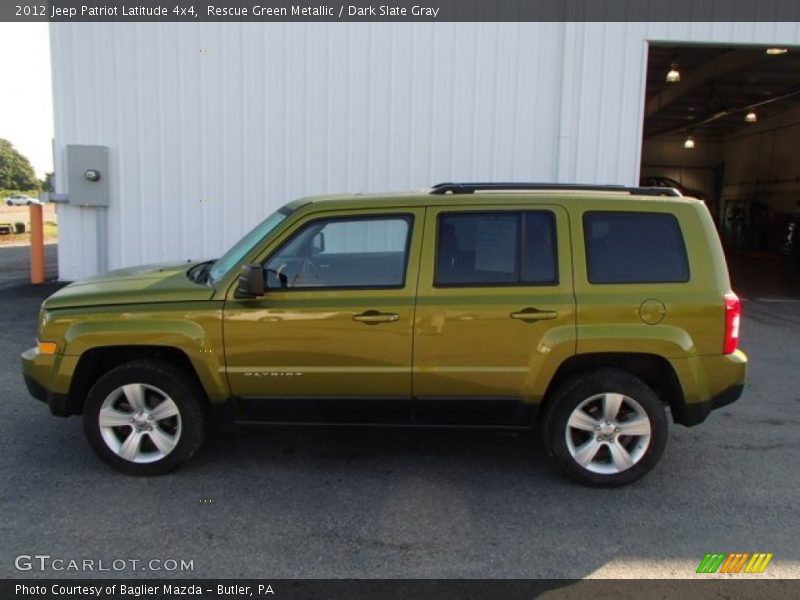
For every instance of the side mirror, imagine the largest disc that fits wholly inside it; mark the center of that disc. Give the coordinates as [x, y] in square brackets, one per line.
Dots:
[251, 282]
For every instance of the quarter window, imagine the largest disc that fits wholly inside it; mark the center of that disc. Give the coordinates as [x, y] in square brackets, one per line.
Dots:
[633, 247]
[343, 253]
[496, 248]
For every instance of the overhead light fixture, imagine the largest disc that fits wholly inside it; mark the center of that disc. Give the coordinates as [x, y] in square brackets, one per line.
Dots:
[689, 143]
[751, 117]
[777, 51]
[673, 76]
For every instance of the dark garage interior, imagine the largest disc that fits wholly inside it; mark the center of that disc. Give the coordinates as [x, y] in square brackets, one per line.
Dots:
[723, 123]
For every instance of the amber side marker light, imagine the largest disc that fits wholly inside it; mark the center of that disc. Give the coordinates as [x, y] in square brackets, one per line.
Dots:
[47, 347]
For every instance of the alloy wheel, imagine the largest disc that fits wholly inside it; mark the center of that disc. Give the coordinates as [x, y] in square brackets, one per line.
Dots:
[140, 423]
[608, 433]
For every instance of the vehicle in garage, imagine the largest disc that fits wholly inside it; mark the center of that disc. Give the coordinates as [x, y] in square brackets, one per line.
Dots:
[724, 132]
[667, 182]
[586, 312]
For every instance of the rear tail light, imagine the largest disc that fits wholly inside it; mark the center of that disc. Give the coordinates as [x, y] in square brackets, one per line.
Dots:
[733, 314]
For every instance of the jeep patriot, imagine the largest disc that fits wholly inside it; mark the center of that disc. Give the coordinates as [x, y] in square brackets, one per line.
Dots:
[588, 314]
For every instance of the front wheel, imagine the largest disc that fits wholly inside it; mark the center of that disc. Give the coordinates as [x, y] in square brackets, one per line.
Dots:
[606, 428]
[144, 418]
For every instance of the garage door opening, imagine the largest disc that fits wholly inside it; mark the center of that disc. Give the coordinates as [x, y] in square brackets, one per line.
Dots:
[723, 123]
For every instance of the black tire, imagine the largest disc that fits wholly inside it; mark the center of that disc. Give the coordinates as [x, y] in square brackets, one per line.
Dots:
[156, 377]
[577, 390]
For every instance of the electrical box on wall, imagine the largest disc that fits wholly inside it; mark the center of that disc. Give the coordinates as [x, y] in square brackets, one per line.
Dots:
[87, 175]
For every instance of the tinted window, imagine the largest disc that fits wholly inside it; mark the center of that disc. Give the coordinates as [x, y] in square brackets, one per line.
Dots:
[628, 247]
[342, 253]
[486, 248]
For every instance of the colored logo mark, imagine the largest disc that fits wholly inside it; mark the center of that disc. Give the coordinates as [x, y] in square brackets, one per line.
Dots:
[735, 562]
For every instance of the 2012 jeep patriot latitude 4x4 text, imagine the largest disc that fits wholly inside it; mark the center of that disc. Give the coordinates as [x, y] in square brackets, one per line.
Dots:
[582, 311]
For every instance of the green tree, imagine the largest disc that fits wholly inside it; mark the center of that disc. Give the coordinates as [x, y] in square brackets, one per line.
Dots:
[47, 183]
[16, 172]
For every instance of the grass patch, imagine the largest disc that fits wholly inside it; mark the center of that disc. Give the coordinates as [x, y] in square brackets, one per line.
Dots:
[24, 239]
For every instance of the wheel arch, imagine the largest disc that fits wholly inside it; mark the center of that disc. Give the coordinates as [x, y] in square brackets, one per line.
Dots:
[96, 362]
[656, 371]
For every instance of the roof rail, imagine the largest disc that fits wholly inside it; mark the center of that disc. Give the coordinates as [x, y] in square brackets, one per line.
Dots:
[470, 188]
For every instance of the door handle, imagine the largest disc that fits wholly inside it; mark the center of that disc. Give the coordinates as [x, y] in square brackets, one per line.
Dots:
[532, 314]
[373, 317]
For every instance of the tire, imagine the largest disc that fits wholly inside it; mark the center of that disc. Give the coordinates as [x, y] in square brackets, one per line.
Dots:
[153, 417]
[615, 402]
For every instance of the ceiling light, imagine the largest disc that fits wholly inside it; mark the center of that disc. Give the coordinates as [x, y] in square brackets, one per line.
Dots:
[689, 143]
[777, 51]
[673, 76]
[751, 117]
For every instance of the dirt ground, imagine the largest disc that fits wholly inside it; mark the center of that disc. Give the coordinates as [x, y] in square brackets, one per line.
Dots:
[21, 214]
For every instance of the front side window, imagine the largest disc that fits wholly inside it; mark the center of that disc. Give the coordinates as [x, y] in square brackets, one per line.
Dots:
[357, 252]
[496, 248]
[634, 247]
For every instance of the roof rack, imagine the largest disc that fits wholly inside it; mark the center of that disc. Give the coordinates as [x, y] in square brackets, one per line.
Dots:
[470, 188]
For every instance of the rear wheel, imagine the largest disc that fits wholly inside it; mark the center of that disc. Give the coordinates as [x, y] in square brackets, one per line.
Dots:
[606, 428]
[144, 418]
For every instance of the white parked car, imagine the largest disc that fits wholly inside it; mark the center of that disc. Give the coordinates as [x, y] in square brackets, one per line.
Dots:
[21, 200]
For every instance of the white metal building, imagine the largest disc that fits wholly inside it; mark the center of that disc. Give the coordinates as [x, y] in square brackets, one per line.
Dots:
[212, 126]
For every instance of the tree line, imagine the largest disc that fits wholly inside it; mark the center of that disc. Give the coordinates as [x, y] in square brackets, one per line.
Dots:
[16, 172]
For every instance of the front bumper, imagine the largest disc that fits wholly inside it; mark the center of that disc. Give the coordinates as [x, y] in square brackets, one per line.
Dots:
[39, 371]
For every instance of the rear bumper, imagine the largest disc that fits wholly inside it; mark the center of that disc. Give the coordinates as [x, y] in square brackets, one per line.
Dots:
[693, 414]
[709, 382]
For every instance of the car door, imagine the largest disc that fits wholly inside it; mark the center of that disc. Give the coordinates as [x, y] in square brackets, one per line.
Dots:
[495, 303]
[331, 340]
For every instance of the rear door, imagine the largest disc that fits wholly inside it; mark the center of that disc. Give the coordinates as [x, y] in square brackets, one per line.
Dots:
[495, 298]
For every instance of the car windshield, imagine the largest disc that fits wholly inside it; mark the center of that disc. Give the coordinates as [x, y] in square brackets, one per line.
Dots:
[240, 249]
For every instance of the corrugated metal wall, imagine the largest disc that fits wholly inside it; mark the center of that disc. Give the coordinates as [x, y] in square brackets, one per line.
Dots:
[212, 126]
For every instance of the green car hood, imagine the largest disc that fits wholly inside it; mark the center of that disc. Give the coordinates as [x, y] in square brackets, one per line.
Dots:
[134, 285]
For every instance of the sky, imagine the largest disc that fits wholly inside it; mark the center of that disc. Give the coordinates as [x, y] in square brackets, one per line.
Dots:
[26, 97]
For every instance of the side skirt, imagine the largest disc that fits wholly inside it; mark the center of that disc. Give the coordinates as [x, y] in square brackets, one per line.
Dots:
[502, 414]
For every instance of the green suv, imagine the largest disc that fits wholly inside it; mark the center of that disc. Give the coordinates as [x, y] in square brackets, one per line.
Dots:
[584, 313]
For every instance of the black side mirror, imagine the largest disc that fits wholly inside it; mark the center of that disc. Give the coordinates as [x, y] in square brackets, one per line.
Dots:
[251, 282]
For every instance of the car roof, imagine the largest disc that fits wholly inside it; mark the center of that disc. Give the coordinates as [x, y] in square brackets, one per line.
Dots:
[425, 197]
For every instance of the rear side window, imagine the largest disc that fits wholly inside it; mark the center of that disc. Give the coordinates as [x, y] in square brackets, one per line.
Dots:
[631, 247]
[496, 248]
